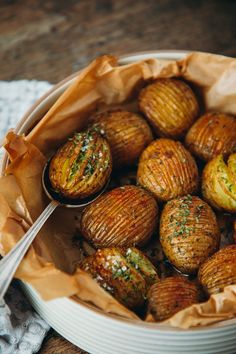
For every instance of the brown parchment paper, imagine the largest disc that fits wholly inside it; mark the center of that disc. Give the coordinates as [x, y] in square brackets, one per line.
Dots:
[51, 264]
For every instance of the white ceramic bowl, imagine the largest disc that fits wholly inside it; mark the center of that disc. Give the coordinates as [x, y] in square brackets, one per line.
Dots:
[97, 332]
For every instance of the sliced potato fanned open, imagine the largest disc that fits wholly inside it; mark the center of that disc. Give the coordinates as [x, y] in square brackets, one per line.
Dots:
[219, 183]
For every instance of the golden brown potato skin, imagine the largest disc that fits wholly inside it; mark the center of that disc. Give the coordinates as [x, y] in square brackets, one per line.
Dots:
[168, 296]
[170, 106]
[189, 233]
[82, 166]
[124, 216]
[219, 183]
[127, 134]
[167, 170]
[219, 270]
[212, 134]
[126, 273]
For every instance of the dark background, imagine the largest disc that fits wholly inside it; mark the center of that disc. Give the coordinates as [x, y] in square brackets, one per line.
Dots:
[50, 39]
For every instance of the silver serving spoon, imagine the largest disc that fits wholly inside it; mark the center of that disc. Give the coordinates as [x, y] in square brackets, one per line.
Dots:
[11, 261]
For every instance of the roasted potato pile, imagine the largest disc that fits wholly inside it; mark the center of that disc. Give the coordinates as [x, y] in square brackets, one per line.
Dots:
[153, 173]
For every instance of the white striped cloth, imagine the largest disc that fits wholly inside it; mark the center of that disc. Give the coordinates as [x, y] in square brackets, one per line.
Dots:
[21, 329]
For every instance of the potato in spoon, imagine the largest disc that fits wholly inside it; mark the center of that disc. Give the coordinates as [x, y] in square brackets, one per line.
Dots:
[82, 166]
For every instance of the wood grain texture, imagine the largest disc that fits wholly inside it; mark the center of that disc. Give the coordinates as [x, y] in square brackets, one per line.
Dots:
[50, 39]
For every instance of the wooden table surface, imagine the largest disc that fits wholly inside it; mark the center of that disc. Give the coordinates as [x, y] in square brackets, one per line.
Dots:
[50, 39]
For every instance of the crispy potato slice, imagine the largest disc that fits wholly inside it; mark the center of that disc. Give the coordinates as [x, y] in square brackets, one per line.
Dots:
[212, 134]
[124, 272]
[170, 106]
[82, 166]
[189, 233]
[127, 133]
[124, 216]
[219, 183]
[167, 170]
[219, 270]
[171, 295]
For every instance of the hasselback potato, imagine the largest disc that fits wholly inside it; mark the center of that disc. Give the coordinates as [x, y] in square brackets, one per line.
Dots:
[124, 216]
[124, 272]
[168, 296]
[82, 166]
[127, 134]
[170, 106]
[189, 233]
[219, 270]
[167, 170]
[212, 134]
[219, 183]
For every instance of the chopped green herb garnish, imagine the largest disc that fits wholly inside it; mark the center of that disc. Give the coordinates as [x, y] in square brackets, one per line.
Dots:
[180, 219]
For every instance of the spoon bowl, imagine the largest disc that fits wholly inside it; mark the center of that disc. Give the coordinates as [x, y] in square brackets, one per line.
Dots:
[65, 201]
[10, 263]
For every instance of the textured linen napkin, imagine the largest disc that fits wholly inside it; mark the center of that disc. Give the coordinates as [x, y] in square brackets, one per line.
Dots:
[21, 329]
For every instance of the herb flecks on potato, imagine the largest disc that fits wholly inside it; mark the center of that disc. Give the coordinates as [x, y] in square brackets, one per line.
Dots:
[219, 183]
[219, 270]
[127, 134]
[82, 166]
[212, 134]
[124, 272]
[189, 233]
[170, 106]
[167, 170]
[124, 216]
[171, 295]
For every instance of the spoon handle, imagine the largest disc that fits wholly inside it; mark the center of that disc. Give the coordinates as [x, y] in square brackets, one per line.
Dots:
[11, 261]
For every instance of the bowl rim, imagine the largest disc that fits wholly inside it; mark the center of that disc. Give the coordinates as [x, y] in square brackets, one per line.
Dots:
[27, 117]
[213, 328]
[167, 54]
